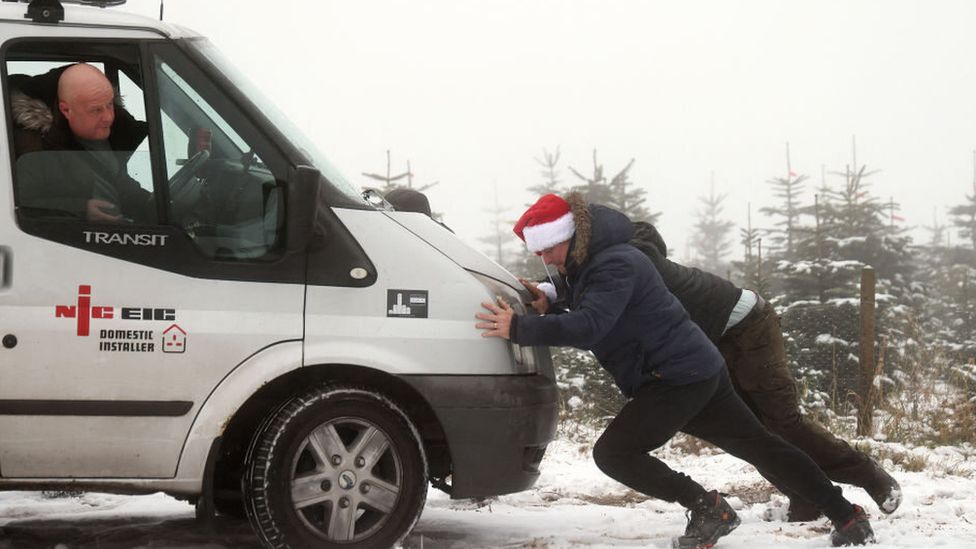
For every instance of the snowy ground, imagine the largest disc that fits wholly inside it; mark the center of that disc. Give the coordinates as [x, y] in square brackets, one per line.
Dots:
[573, 505]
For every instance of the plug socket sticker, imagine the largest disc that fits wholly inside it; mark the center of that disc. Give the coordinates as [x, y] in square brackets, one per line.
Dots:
[406, 303]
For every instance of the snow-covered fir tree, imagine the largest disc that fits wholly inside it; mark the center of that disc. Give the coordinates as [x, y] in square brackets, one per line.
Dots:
[786, 214]
[852, 229]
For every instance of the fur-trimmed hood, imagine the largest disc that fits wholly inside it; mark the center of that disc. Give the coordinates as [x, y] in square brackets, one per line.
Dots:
[584, 227]
[40, 126]
[34, 114]
[597, 227]
[30, 113]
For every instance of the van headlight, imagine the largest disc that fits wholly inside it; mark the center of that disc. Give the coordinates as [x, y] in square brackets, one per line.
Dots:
[524, 357]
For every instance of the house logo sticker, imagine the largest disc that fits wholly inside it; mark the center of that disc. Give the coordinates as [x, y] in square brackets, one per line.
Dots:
[406, 303]
[174, 339]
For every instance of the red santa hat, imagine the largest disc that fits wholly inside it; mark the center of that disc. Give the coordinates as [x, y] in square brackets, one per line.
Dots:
[546, 223]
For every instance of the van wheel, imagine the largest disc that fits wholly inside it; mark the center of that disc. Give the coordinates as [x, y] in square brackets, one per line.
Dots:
[335, 467]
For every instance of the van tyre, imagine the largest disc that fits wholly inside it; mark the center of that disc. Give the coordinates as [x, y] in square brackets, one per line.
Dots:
[335, 467]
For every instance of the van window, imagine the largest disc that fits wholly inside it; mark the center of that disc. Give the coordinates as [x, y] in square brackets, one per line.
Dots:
[170, 151]
[64, 174]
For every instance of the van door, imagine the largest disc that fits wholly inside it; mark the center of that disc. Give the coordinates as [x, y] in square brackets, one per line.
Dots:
[116, 329]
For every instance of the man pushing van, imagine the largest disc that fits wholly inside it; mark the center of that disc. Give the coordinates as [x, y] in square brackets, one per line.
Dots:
[620, 309]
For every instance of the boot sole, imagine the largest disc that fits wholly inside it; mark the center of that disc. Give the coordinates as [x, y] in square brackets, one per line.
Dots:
[724, 530]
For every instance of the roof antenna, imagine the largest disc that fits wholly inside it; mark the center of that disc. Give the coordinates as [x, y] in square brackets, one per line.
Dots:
[160, 10]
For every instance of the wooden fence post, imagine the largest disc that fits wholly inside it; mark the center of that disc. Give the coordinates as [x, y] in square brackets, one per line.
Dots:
[865, 415]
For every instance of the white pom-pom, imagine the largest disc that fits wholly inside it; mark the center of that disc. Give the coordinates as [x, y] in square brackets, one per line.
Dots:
[550, 290]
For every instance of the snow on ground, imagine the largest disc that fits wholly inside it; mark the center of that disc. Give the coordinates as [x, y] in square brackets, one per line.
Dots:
[572, 505]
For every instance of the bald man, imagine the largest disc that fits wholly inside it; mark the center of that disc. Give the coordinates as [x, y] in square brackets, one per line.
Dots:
[87, 177]
[86, 99]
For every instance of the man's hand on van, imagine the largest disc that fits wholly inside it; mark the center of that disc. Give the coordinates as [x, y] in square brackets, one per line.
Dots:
[540, 302]
[498, 323]
[102, 210]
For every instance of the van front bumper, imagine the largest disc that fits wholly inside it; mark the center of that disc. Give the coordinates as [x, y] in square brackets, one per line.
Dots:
[497, 428]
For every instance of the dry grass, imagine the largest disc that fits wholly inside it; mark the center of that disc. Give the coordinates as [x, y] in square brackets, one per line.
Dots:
[750, 494]
[928, 401]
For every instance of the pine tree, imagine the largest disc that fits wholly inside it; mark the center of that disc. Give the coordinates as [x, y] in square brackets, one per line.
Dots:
[618, 193]
[947, 312]
[595, 188]
[711, 240]
[964, 215]
[391, 181]
[820, 325]
[751, 269]
[805, 276]
[551, 182]
[950, 277]
[501, 244]
[789, 190]
[937, 234]
[964, 219]
[629, 199]
[852, 229]
[863, 231]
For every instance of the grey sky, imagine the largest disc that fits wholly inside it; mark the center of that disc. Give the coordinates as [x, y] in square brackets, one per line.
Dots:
[471, 91]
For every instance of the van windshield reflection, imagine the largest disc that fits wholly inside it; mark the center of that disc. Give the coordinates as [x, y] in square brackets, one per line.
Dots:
[284, 124]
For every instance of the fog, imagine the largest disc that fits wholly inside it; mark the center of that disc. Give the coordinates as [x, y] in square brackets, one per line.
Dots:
[471, 92]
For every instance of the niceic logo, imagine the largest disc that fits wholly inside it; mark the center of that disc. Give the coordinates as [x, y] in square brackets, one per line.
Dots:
[84, 311]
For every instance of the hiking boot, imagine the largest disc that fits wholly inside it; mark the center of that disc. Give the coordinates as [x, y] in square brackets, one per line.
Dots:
[884, 490]
[856, 531]
[709, 518]
[801, 510]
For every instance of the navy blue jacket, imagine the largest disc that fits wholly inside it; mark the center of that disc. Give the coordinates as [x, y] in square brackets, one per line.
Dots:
[620, 309]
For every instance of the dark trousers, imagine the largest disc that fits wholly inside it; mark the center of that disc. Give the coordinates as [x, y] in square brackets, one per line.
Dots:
[711, 411]
[756, 357]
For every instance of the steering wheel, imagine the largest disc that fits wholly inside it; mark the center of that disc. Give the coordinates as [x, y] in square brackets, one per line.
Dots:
[186, 172]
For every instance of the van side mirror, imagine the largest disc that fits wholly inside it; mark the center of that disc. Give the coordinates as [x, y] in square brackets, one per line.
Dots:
[303, 194]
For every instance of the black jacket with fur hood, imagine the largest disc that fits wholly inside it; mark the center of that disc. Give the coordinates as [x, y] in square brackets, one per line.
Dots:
[620, 309]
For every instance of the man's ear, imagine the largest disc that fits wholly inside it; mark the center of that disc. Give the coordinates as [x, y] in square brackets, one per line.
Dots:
[63, 107]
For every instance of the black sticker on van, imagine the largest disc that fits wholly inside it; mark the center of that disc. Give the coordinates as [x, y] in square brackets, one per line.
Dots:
[406, 303]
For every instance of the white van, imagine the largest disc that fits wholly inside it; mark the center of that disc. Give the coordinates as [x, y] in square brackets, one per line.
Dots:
[246, 331]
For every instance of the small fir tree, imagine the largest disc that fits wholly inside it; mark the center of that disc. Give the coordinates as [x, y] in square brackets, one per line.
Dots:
[711, 241]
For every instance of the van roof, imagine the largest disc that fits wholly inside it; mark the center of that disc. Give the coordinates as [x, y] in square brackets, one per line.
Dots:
[89, 16]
